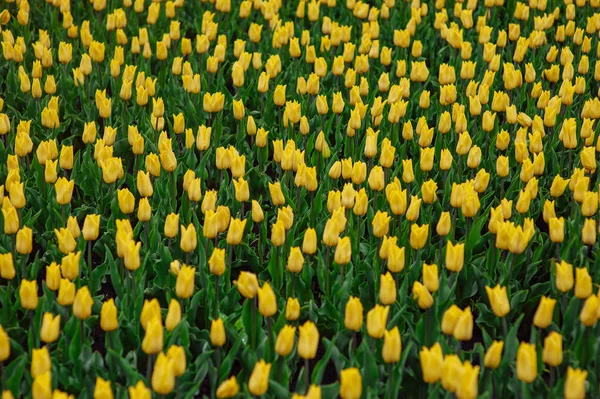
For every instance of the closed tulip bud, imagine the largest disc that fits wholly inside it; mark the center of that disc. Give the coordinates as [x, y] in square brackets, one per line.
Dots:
[267, 302]
[589, 312]
[28, 294]
[278, 233]
[91, 227]
[188, 240]
[418, 235]
[380, 224]
[361, 203]
[50, 328]
[257, 212]
[64, 190]
[11, 218]
[343, 251]
[258, 382]
[429, 191]
[575, 383]
[216, 262]
[4, 345]
[153, 338]
[451, 373]
[498, 300]
[308, 341]
[450, 319]
[377, 320]
[66, 292]
[7, 269]
[139, 391]
[40, 362]
[463, 331]
[163, 375]
[217, 333]
[276, 194]
[564, 276]
[431, 360]
[583, 283]
[544, 313]
[185, 282]
[387, 289]
[526, 363]
[108, 316]
[359, 172]
[66, 242]
[82, 305]
[173, 315]
[70, 266]
[557, 229]
[285, 340]
[553, 353]
[455, 256]
[42, 386]
[228, 388]
[444, 224]
[588, 233]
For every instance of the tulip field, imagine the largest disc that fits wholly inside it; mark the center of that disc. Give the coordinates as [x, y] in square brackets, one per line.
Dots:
[299, 199]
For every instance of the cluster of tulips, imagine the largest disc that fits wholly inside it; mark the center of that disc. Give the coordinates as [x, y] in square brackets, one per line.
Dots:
[310, 199]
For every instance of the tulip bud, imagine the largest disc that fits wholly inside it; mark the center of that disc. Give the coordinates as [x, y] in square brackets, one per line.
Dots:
[526, 363]
[350, 383]
[285, 340]
[431, 363]
[553, 353]
[50, 328]
[28, 294]
[217, 333]
[258, 382]
[173, 315]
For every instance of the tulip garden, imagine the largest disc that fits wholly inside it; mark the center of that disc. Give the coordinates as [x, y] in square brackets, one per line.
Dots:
[303, 199]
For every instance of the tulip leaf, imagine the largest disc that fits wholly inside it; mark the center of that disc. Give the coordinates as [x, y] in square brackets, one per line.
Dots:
[14, 374]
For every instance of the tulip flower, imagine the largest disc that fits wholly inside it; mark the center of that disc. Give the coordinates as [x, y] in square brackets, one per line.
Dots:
[4, 345]
[431, 363]
[377, 320]
[544, 313]
[498, 300]
[258, 383]
[350, 383]
[185, 282]
[553, 352]
[493, 356]
[455, 257]
[575, 383]
[173, 315]
[392, 346]
[163, 376]
[217, 333]
[28, 294]
[40, 362]
[50, 328]
[308, 341]
[267, 301]
[526, 363]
